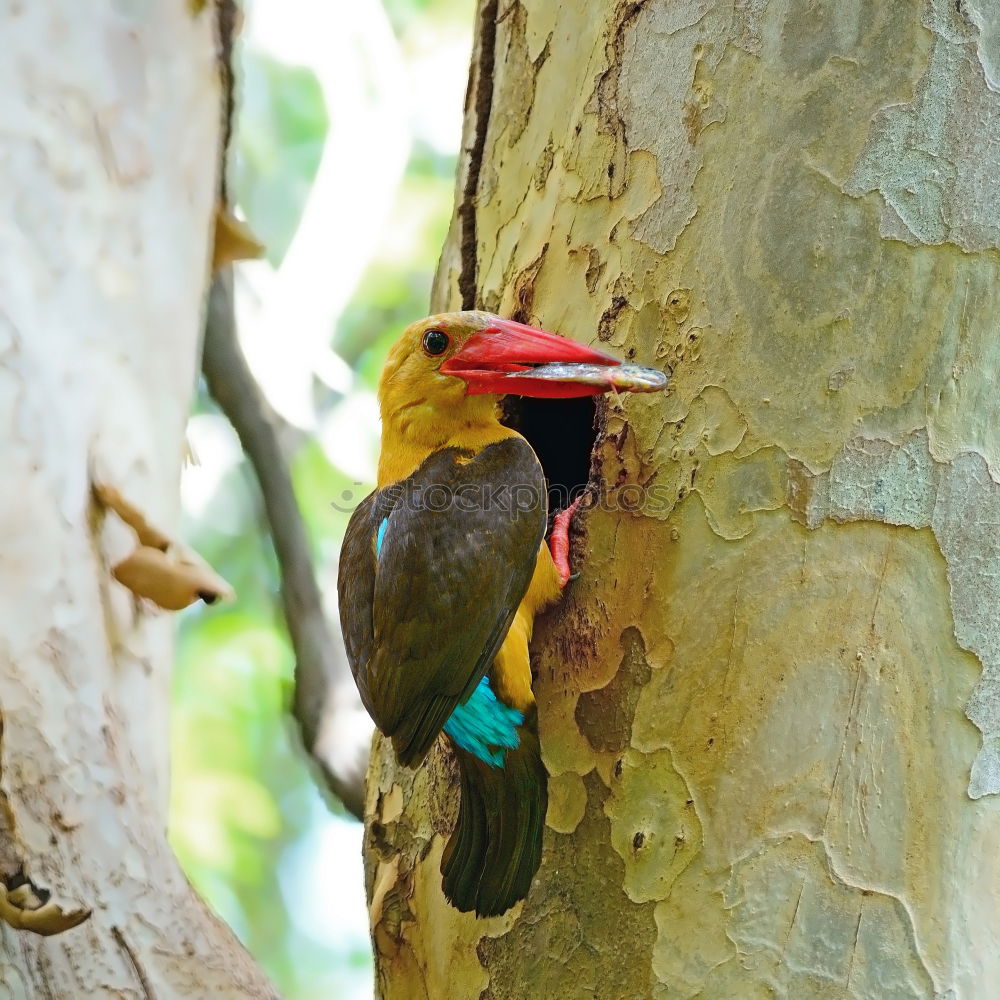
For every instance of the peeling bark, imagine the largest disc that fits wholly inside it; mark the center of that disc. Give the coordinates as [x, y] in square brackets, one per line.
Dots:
[108, 160]
[769, 706]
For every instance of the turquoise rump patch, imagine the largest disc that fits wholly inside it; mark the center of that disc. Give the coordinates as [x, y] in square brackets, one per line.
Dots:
[485, 726]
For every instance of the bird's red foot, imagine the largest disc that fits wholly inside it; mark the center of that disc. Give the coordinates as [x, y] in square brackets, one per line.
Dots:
[559, 540]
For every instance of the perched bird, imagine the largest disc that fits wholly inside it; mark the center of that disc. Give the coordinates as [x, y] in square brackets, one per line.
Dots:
[444, 567]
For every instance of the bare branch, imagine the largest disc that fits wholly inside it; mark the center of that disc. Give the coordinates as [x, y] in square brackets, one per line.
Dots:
[321, 672]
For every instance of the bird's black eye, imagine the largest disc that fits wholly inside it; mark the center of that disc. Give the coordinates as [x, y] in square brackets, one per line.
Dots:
[436, 342]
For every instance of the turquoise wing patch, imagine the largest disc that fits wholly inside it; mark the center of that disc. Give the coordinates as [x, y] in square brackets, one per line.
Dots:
[485, 726]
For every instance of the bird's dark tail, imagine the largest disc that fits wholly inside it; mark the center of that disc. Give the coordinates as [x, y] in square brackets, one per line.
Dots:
[495, 849]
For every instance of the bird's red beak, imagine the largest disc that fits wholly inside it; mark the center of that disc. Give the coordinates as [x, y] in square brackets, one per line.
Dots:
[508, 358]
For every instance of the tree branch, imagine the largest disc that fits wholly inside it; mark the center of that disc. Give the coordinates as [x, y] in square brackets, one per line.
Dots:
[319, 667]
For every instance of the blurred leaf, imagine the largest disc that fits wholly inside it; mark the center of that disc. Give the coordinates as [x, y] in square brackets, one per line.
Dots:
[394, 290]
[326, 496]
[405, 13]
[282, 129]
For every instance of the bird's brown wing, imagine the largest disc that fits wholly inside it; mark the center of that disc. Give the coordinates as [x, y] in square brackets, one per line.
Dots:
[425, 615]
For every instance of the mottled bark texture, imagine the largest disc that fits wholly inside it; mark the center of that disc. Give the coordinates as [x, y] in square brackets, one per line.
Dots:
[770, 706]
[109, 137]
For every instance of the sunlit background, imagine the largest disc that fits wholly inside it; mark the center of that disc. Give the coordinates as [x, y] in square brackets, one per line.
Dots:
[348, 131]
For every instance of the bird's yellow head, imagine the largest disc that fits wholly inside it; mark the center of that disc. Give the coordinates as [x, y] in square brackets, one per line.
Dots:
[412, 377]
[444, 376]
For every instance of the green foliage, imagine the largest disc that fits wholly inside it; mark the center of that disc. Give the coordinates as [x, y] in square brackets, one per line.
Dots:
[404, 14]
[396, 287]
[326, 495]
[282, 129]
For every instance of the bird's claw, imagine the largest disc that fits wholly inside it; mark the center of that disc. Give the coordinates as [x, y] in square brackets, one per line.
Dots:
[559, 541]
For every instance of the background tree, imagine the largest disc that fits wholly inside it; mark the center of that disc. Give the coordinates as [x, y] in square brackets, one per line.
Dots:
[108, 157]
[769, 704]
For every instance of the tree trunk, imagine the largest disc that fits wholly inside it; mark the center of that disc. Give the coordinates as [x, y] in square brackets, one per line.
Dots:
[770, 706]
[108, 165]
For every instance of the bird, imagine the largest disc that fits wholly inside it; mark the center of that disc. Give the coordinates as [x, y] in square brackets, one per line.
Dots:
[444, 567]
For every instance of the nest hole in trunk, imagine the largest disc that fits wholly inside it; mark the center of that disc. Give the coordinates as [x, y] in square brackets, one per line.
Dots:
[562, 433]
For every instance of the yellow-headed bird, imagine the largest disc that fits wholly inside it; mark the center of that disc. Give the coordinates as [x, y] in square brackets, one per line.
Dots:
[444, 567]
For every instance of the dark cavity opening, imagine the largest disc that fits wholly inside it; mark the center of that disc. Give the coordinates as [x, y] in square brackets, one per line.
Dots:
[562, 433]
